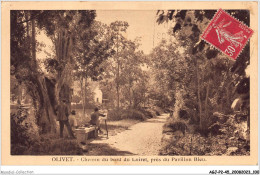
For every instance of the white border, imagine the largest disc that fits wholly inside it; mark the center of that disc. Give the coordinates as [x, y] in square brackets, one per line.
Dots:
[126, 169]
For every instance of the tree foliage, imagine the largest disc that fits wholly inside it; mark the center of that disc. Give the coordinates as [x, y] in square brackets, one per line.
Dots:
[124, 76]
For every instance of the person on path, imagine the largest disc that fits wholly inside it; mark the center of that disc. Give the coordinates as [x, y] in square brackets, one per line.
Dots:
[63, 118]
[95, 119]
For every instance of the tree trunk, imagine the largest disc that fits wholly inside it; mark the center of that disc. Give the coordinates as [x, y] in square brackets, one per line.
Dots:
[82, 85]
[84, 97]
[46, 116]
[28, 32]
[118, 96]
[206, 100]
[33, 62]
[130, 97]
[198, 94]
[130, 93]
[228, 89]
[63, 45]
[47, 119]
[117, 84]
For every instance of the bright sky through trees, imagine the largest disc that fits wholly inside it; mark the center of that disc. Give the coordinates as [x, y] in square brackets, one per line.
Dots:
[141, 24]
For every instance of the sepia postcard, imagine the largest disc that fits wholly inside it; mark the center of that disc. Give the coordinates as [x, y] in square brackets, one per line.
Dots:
[129, 83]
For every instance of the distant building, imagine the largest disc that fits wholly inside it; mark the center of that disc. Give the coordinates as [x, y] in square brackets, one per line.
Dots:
[98, 95]
[93, 90]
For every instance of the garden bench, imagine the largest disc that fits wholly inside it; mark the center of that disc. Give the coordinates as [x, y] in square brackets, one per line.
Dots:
[85, 133]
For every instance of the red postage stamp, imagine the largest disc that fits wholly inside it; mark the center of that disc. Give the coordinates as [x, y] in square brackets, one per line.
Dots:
[227, 34]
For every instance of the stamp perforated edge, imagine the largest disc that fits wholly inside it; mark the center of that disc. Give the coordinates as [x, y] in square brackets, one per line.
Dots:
[252, 32]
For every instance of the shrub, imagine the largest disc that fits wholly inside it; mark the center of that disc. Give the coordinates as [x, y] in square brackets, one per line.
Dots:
[115, 114]
[52, 145]
[134, 114]
[25, 139]
[19, 130]
[174, 125]
[24, 131]
[157, 110]
[183, 114]
[126, 114]
[149, 113]
[49, 145]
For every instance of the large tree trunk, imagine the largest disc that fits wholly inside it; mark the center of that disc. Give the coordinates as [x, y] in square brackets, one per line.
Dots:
[45, 110]
[47, 119]
[63, 44]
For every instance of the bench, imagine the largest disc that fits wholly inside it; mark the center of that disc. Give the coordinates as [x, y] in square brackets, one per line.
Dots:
[85, 133]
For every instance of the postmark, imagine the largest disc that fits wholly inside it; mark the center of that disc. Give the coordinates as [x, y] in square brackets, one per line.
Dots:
[227, 34]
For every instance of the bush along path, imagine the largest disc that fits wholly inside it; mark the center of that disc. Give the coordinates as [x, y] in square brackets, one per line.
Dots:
[140, 139]
[225, 136]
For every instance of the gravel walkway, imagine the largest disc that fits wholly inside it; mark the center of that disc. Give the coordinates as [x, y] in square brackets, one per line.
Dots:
[140, 139]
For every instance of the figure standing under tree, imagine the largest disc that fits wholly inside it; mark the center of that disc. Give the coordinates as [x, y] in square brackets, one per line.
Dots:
[63, 118]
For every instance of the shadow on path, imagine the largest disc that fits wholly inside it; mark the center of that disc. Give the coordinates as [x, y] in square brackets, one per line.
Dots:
[154, 121]
[103, 149]
[143, 138]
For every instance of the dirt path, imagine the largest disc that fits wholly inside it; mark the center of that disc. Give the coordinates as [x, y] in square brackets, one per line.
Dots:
[140, 139]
